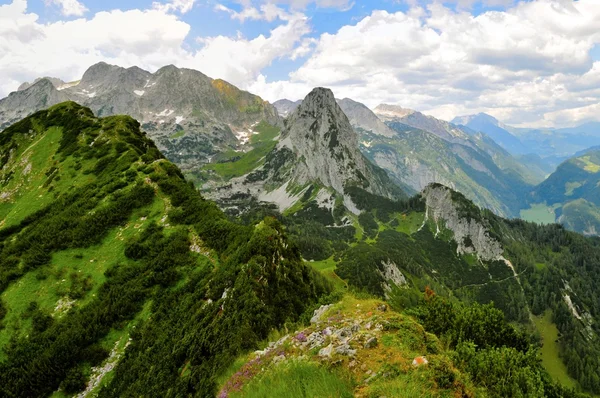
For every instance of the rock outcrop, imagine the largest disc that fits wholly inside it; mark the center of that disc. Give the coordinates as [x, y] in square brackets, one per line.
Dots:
[471, 236]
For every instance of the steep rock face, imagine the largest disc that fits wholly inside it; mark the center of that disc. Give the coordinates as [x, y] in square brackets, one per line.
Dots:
[363, 118]
[20, 104]
[470, 234]
[190, 116]
[317, 147]
[320, 135]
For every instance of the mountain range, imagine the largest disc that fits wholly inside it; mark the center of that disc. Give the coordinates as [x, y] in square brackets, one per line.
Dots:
[120, 276]
[190, 116]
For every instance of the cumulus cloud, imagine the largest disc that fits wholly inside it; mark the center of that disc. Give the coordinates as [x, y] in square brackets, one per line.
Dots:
[518, 64]
[69, 7]
[148, 38]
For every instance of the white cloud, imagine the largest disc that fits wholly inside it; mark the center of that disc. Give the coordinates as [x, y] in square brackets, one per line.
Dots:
[268, 12]
[241, 60]
[182, 6]
[518, 64]
[69, 7]
[146, 38]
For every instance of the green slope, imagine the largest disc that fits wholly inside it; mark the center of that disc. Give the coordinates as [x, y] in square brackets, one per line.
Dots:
[574, 190]
[106, 249]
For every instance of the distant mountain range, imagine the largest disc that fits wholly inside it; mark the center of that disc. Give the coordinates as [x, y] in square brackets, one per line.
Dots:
[190, 116]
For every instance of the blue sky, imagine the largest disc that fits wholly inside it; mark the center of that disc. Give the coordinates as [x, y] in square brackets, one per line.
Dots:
[529, 63]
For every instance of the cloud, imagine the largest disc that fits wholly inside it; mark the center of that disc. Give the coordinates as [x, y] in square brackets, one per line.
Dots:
[182, 6]
[241, 60]
[146, 38]
[268, 12]
[518, 64]
[69, 7]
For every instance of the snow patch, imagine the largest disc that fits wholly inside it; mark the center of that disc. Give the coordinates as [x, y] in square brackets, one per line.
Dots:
[92, 95]
[367, 144]
[179, 119]
[243, 136]
[139, 92]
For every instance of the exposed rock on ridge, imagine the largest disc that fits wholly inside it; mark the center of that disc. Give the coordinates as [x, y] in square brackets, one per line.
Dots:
[470, 235]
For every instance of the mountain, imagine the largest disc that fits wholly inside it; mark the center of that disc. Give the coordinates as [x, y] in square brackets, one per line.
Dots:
[190, 116]
[317, 148]
[417, 150]
[116, 277]
[409, 117]
[573, 193]
[20, 104]
[285, 107]
[362, 117]
[493, 128]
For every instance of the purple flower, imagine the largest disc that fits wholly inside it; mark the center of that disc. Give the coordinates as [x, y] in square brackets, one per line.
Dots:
[301, 337]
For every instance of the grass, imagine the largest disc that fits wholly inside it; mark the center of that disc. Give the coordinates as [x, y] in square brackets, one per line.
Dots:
[327, 268]
[178, 134]
[262, 144]
[589, 165]
[570, 187]
[298, 379]
[539, 213]
[68, 268]
[387, 366]
[550, 350]
[410, 223]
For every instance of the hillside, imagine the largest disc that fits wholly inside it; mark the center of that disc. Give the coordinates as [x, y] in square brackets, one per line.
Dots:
[573, 193]
[106, 249]
[190, 116]
[536, 275]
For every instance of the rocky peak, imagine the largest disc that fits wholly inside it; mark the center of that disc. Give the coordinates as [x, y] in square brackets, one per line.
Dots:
[321, 136]
[362, 117]
[55, 81]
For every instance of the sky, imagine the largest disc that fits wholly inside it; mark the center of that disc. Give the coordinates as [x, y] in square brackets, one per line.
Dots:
[533, 63]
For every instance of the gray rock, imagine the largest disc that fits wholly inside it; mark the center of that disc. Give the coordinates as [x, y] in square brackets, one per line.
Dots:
[345, 349]
[318, 313]
[327, 351]
[371, 342]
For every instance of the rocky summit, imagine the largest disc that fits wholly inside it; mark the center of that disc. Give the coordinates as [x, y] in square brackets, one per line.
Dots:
[317, 146]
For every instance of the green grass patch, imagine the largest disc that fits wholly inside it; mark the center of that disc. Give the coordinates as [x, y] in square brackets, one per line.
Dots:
[327, 268]
[298, 379]
[550, 350]
[262, 144]
[409, 223]
[178, 134]
[539, 213]
[589, 165]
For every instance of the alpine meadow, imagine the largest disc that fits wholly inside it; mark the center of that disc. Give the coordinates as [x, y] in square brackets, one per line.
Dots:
[300, 199]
